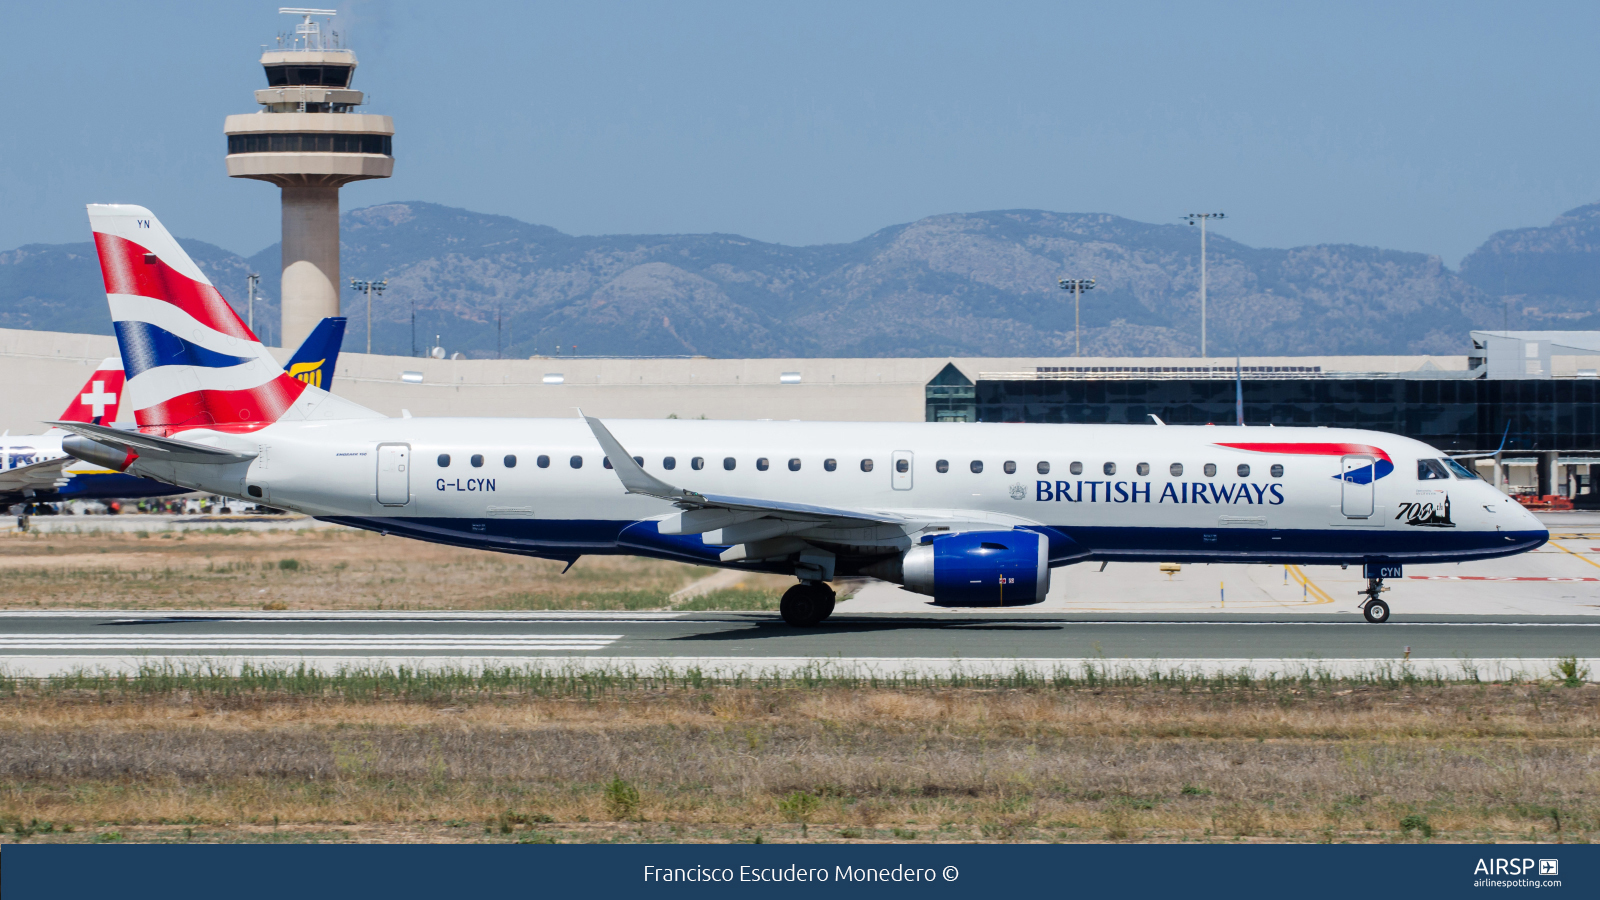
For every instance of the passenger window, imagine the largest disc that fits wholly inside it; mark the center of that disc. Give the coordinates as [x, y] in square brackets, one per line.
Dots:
[1461, 472]
[728, 463]
[510, 461]
[794, 464]
[942, 465]
[902, 465]
[1043, 468]
[1076, 468]
[477, 460]
[830, 464]
[761, 464]
[1010, 467]
[543, 461]
[1142, 468]
[1176, 469]
[669, 462]
[1244, 470]
[576, 462]
[1109, 468]
[866, 465]
[605, 461]
[1277, 470]
[638, 461]
[1211, 470]
[1431, 470]
[698, 463]
[444, 460]
[977, 466]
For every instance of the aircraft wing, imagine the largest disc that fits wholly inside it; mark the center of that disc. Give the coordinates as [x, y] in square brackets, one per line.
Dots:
[17, 485]
[703, 509]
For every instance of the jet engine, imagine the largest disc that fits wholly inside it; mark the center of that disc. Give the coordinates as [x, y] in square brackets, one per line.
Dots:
[974, 568]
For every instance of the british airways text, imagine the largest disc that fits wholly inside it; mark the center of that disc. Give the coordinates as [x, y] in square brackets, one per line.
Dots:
[1171, 492]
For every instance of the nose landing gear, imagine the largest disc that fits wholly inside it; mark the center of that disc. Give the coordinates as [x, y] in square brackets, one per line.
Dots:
[1373, 608]
[806, 604]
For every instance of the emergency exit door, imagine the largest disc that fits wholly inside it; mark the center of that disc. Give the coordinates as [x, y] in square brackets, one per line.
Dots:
[1358, 483]
[394, 474]
[900, 465]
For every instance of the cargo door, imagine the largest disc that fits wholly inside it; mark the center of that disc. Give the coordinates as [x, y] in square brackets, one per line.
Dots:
[394, 474]
[900, 466]
[1358, 484]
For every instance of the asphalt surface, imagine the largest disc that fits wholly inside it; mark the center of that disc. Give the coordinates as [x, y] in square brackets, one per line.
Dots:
[469, 636]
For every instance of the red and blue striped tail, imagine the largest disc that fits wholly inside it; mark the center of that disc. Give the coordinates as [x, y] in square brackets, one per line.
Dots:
[190, 361]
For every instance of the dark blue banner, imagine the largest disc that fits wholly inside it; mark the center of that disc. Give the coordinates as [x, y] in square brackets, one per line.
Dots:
[306, 872]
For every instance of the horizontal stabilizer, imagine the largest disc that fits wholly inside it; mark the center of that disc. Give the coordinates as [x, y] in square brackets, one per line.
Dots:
[21, 483]
[150, 446]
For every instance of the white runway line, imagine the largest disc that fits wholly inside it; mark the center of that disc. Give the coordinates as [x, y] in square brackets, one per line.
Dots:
[307, 643]
[1450, 669]
[249, 615]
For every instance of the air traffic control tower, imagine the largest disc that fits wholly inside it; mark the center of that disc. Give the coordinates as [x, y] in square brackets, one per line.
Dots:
[308, 140]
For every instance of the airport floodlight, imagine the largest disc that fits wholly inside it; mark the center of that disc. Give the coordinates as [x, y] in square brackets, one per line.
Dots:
[370, 287]
[1192, 218]
[1077, 286]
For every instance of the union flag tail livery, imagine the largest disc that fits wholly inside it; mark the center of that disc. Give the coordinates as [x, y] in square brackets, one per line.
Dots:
[190, 361]
[97, 403]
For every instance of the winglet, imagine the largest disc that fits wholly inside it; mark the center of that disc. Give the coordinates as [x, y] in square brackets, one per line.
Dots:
[635, 480]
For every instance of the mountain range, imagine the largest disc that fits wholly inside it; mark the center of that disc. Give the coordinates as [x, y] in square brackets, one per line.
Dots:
[962, 284]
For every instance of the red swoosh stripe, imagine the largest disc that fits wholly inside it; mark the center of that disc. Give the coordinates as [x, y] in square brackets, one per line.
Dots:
[236, 411]
[1314, 449]
[125, 271]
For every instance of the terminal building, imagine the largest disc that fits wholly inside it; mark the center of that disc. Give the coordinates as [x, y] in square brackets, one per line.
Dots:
[1537, 392]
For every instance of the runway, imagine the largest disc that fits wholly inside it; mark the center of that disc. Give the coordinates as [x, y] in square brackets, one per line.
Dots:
[46, 642]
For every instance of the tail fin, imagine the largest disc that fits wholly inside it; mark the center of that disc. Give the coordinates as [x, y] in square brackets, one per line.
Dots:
[190, 361]
[97, 403]
[316, 359]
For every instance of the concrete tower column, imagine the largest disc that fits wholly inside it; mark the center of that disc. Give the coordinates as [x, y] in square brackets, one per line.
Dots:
[310, 258]
[308, 140]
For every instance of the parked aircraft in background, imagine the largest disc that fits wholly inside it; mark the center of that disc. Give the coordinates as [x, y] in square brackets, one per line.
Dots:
[33, 468]
[971, 515]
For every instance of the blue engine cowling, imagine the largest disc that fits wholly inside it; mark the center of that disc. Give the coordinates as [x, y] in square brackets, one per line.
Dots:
[980, 568]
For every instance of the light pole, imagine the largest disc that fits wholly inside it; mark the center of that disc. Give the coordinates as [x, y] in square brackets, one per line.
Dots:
[1077, 286]
[370, 287]
[1201, 218]
[251, 281]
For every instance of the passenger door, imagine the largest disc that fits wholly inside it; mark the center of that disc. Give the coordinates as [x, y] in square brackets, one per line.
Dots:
[900, 466]
[1358, 485]
[394, 474]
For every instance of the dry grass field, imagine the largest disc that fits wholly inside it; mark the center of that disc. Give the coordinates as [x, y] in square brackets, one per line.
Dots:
[334, 568]
[584, 759]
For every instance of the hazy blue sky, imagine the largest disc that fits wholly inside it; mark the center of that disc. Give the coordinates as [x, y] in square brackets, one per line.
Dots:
[1408, 125]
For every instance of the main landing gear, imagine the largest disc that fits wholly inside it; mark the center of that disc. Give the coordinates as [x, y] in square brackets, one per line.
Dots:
[806, 604]
[1373, 608]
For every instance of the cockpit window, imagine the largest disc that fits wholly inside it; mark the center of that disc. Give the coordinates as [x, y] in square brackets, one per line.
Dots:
[1460, 471]
[1431, 470]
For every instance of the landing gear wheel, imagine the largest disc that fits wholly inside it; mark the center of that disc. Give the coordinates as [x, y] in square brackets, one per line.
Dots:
[1375, 610]
[805, 605]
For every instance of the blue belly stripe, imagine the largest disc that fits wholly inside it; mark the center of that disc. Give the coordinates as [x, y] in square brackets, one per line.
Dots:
[569, 538]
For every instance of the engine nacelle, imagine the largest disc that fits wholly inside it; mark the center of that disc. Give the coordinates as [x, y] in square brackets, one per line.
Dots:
[976, 568]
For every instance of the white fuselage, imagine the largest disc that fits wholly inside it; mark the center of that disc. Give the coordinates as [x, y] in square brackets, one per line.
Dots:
[1110, 491]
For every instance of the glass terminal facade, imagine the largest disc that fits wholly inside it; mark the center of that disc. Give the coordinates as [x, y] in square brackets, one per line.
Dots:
[1456, 415]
